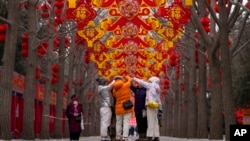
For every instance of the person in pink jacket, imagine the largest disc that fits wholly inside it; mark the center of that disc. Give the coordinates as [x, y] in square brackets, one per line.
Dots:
[153, 104]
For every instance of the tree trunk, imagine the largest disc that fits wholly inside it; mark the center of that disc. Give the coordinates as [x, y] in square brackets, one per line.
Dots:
[46, 102]
[228, 100]
[216, 97]
[58, 133]
[7, 70]
[29, 92]
[176, 105]
[192, 99]
[202, 102]
[184, 116]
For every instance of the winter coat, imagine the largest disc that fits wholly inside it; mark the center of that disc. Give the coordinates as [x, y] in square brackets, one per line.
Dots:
[153, 89]
[122, 93]
[140, 98]
[74, 124]
[105, 95]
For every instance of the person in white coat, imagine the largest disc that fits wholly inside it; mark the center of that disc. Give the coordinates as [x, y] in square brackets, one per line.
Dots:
[153, 103]
[105, 102]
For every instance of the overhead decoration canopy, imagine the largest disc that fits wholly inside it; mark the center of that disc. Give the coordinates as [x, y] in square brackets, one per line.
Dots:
[129, 37]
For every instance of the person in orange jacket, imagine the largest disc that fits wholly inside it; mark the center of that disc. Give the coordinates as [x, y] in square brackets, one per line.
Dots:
[122, 93]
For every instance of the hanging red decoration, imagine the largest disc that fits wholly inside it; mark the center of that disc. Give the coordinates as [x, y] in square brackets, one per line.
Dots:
[2, 38]
[205, 21]
[196, 34]
[216, 8]
[59, 4]
[45, 15]
[55, 68]
[54, 80]
[176, 13]
[3, 28]
[24, 52]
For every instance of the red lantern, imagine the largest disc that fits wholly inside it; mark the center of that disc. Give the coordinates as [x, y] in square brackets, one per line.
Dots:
[58, 11]
[59, 4]
[55, 68]
[205, 21]
[216, 8]
[173, 56]
[24, 45]
[247, 5]
[54, 80]
[206, 28]
[173, 63]
[3, 28]
[45, 15]
[38, 75]
[24, 53]
[25, 37]
[2, 38]
[196, 34]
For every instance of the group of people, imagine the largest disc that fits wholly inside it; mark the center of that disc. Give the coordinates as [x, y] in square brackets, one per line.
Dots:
[116, 107]
[147, 107]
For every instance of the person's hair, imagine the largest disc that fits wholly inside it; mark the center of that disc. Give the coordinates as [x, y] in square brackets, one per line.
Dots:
[118, 77]
[73, 97]
[101, 81]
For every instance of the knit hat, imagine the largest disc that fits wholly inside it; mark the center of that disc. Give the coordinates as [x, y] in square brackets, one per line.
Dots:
[154, 79]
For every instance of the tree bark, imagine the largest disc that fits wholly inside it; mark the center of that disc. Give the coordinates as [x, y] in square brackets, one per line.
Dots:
[7, 70]
[29, 92]
[216, 97]
[46, 102]
[202, 102]
[192, 99]
[58, 133]
[228, 100]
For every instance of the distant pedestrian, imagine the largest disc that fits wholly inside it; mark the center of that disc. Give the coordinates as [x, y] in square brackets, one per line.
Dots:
[153, 104]
[105, 102]
[74, 113]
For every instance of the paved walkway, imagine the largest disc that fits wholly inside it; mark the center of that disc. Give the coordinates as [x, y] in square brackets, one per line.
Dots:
[97, 138]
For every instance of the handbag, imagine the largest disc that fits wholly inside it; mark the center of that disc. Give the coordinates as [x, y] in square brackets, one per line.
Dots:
[78, 118]
[82, 123]
[127, 104]
[153, 104]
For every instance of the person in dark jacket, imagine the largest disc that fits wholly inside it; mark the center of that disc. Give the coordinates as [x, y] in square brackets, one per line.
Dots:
[140, 110]
[74, 113]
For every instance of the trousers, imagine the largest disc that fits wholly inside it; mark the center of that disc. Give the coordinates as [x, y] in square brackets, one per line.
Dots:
[122, 125]
[105, 114]
[153, 125]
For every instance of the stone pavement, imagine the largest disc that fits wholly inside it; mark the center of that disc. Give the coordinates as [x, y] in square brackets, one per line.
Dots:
[97, 138]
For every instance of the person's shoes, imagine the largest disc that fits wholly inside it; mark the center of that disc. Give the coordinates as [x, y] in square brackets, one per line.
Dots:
[149, 139]
[156, 139]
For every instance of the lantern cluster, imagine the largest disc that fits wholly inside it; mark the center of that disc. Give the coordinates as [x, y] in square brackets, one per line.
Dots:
[3, 28]
[45, 10]
[38, 73]
[24, 45]
[42, 48]
[87, 56]
[55, 70]
[165, 84]
[173, 59]
[65, 89]
[205, 21]
[239, 116]
[58, 10]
